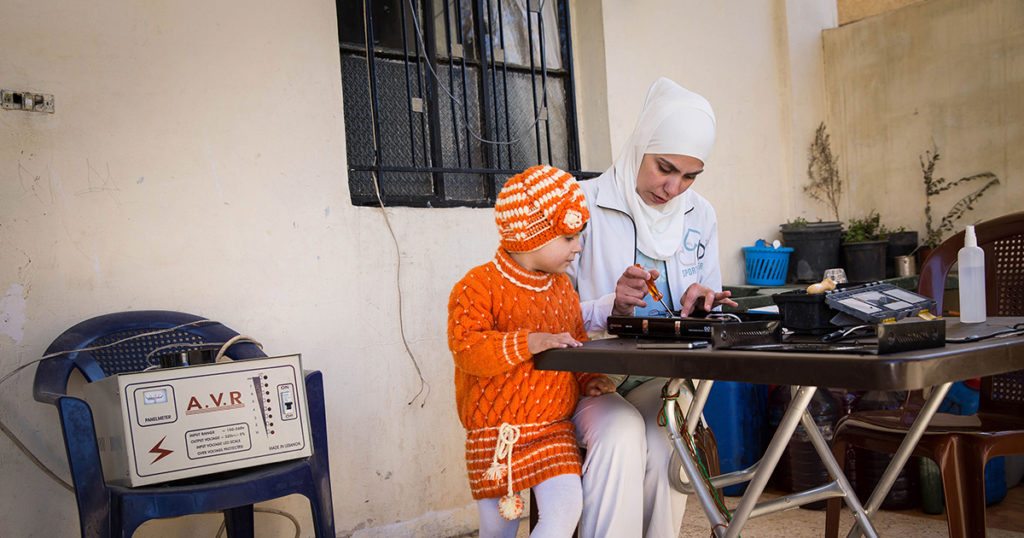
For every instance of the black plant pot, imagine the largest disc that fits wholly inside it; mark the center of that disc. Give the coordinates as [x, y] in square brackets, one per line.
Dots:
[864, 261]
[815, 248]
[900, 244]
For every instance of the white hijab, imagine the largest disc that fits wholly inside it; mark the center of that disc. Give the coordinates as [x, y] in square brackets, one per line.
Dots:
[675, 121]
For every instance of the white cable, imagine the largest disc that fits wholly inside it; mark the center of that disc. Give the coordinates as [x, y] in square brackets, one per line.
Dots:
[21, 446]
[232, 341]
[140, 335]
[24, 450]
[398, 251]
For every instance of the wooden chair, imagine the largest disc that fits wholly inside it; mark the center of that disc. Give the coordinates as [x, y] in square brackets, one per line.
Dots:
[961, 453]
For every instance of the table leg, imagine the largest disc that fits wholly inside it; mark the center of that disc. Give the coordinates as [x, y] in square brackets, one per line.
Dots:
[906, 448]
[697, 403]
[824, 451]
[771, 457]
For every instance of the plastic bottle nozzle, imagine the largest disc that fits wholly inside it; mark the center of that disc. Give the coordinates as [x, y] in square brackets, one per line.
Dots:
[970, 238]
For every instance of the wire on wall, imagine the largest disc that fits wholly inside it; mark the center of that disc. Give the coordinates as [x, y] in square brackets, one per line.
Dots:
[424, 386]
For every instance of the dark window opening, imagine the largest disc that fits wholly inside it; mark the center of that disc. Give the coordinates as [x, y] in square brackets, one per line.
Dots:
[454, 97]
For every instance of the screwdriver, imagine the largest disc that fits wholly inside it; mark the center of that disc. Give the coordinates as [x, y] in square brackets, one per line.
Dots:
[655, 294]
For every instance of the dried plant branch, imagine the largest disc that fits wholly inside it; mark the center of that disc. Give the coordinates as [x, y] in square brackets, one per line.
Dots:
[823, 171]
[933, 187]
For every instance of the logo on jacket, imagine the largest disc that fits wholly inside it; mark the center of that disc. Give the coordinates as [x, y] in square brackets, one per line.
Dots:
[691, 242]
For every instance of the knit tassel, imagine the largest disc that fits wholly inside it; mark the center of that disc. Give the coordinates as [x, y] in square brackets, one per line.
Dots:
[510, 506]
[496, 471]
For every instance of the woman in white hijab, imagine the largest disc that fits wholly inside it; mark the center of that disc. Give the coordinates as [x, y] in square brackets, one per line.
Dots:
[644, 212]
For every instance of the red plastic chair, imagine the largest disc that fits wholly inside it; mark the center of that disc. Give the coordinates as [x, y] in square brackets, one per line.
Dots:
[963, 453]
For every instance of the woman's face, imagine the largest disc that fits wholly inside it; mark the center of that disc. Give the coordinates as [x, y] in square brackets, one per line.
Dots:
[662, 176]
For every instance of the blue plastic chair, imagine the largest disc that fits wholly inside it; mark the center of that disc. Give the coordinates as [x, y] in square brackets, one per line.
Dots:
[111, 510]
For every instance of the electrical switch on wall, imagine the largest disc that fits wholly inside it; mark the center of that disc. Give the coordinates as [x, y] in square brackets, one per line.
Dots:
[27, 101]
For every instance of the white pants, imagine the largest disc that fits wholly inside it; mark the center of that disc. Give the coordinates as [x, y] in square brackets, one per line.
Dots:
[559, 502]
[626, 489]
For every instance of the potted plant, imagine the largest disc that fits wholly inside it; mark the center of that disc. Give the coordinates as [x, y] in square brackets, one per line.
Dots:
[864, 249]
[932, 187]
[816, 244]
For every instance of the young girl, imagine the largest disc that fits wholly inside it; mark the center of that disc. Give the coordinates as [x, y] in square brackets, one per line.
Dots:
[518, 429]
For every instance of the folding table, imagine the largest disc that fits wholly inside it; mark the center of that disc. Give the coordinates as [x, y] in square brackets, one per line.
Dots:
[935, 368]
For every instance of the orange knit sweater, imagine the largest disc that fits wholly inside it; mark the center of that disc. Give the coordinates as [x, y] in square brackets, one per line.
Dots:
[490, 313]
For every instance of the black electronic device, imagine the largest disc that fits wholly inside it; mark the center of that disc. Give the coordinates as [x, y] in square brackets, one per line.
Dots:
[722, 329]
[847, 306]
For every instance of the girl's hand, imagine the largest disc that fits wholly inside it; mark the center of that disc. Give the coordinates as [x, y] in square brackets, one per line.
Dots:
[538, 342]
[598, 386]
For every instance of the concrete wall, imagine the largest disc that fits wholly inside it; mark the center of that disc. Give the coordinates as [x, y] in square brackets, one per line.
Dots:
[942, 72]
[855, 10]
[196, 162]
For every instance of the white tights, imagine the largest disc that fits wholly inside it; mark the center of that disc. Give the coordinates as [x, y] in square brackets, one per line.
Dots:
[559, 503]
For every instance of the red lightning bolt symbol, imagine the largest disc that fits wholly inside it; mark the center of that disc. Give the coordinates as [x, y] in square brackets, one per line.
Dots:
[161, 452]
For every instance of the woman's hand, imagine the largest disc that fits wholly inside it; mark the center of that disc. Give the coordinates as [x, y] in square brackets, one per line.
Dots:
[705, 298]
[538, 342]
[598, 386]
[630, 289]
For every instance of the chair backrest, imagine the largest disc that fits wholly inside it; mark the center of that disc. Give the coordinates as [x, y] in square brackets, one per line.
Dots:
[1002, 239]
[128, 342]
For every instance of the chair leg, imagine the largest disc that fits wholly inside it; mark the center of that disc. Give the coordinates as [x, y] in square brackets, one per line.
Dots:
[833, 507]
[955, 485]
[323, 510]
[239, 522]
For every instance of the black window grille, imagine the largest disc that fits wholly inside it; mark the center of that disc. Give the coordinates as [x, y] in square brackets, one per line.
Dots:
[454, 96]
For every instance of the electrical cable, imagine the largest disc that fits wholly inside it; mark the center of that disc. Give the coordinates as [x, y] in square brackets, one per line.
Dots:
[24, 450]
[223, 349]
[132, 337]
[238, 338]
[398, 252]
[691, 445]
[835, 336]
[724, 315]
[440, 83]
[1015, 330]
[14, 438]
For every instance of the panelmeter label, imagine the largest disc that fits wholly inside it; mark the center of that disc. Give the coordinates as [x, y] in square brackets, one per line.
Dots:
[218, 440]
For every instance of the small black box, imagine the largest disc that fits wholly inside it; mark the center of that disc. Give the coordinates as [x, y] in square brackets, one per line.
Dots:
[804, 313]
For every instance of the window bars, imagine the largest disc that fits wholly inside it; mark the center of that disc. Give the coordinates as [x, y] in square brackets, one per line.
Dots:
[454, 96]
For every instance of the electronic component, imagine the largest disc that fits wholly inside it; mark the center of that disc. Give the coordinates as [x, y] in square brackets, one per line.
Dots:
[172, 423]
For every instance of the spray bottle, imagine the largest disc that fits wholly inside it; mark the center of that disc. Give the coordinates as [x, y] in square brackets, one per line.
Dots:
[971, 263]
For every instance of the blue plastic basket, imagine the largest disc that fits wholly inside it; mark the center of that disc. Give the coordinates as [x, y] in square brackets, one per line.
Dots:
[766, 266]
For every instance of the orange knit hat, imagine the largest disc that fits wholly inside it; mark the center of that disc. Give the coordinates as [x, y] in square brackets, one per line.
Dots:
[538, 205]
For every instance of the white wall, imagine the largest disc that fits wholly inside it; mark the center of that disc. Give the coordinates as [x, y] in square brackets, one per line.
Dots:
[759, 64]
[196, 162]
